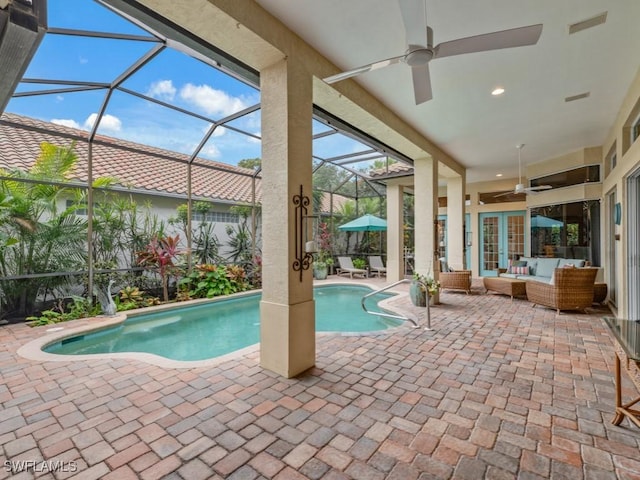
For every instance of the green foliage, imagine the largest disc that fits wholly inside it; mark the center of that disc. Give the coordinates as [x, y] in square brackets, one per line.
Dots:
[250, 163]
[208, 281]
[131, 297]
[239, 243]
[160, 255]
[79, 308]
[359, 263]
[34, 236]
[427, 283]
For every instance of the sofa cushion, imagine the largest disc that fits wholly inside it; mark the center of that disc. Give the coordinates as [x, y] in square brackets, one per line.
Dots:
[576, 262]
[546, 266]
[535, 278]
[532, 263]
[519, 270]
[509, 275]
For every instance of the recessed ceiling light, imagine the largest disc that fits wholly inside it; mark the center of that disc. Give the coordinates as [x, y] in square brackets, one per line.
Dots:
[498, 174]
[497, 91]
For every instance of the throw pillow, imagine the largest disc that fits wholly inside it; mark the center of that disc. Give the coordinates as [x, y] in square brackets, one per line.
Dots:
[519, 270]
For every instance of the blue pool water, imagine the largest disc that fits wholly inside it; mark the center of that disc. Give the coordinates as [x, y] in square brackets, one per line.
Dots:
[207, 331]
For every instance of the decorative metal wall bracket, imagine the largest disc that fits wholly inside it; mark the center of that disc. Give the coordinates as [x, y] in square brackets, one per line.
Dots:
[303, 258]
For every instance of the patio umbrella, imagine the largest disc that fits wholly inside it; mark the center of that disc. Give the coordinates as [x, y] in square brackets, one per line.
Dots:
[540, 221]
[365, 223]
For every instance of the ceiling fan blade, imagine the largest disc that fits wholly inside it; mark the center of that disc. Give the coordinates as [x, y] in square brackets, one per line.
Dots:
[515, 37]
[539, 187]
[504, 194]
[415, 21]
[421, 84]
[364, 69]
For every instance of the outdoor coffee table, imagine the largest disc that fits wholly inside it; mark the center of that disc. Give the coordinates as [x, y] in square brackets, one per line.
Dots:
[507, 286]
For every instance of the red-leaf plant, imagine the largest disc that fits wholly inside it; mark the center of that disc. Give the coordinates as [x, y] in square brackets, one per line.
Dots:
[160, 255]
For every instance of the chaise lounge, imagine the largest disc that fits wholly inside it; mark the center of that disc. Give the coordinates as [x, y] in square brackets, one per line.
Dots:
[346, 266]
[376, 266]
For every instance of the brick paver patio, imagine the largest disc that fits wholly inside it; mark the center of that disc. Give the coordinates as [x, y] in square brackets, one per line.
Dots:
[497, 390]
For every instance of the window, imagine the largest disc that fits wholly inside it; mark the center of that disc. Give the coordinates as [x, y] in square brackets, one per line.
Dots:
[501, 197]
[211, 217]
[576, 176]
[610, 160]
[571, 230]
[635, 129]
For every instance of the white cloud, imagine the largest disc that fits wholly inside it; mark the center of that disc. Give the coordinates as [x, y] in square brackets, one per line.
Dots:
[210, 151]
[108, 122]
[66, 122]
[59, 98]
[210, 100]
[162, 89]
[255, 140]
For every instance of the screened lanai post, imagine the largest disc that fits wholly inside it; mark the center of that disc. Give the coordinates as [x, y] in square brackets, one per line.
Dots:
[287, 308]
[455, 221]
[426, 200]
[90, 263]
[395, 237]
[189, 216]
[253, 213]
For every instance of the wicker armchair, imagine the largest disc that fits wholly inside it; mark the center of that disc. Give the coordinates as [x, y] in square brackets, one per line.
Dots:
[572, 289]
[454, 280]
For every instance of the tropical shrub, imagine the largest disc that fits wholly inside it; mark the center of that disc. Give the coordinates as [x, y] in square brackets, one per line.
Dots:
[36, 237]
[207, 281]
[130, 298]
[79, 308]
[160, 255]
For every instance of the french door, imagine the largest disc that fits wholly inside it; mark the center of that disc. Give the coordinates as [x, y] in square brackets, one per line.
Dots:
[502, 238]
[443, 241]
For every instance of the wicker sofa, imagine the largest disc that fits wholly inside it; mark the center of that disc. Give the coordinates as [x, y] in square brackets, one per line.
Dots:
[541, 269]
[569, 289]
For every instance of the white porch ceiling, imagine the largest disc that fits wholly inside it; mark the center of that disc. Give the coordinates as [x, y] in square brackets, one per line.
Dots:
[479, 130]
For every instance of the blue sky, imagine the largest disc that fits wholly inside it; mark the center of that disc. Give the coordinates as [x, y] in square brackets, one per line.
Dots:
[171, 76]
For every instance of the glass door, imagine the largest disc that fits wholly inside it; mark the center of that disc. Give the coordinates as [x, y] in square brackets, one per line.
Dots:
[502, 237]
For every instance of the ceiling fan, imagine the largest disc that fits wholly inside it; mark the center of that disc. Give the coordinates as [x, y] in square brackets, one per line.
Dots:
[420, 50]
[520, 187]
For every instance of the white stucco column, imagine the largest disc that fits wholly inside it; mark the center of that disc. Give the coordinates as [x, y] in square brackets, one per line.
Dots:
[395, 232]
[455, 222]
[287, 309]
[426, 214]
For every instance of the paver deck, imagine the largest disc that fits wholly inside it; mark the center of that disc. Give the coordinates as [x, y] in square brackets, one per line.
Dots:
[497, 390]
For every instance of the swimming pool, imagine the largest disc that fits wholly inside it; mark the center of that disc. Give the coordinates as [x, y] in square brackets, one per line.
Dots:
[214, 329]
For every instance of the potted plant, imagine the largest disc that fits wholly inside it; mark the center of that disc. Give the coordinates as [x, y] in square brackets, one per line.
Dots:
[421, 287]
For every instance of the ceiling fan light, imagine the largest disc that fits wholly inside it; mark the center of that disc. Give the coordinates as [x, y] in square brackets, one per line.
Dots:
[497, 91]
[419, 57]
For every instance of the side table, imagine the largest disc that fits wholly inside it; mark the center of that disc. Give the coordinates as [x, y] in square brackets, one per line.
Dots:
[626, 334]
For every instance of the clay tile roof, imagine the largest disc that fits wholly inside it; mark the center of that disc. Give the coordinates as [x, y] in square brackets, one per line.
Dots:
[394, 170]
[134, 165]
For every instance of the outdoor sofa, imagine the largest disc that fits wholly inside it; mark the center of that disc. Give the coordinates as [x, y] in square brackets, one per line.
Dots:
[539, 269]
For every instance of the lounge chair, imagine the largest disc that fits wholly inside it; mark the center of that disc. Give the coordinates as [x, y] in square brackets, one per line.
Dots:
[376, 266]
[346, 266]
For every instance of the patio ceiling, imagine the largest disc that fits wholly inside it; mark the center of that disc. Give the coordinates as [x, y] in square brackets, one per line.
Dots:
[464, 119]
